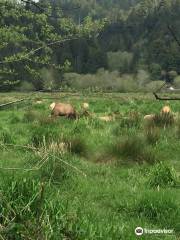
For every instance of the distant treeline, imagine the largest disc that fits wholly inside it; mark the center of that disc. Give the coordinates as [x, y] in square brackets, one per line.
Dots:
[126, 36]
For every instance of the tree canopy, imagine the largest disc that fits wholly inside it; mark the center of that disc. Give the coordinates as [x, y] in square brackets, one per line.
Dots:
[82, 36]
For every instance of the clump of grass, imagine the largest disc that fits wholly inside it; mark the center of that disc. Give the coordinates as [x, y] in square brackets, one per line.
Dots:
[133, 148]
[178, 127]
[132, 120]
[44, 135]
[78, 146]
[54, 170]
[159, 208]
[6, 136]
[96, 123]
[152, 134]
[164, 119]
[14, 118]
[21, 202]
[46, 120]
[161, 175]
[30, 116]
[80, 127]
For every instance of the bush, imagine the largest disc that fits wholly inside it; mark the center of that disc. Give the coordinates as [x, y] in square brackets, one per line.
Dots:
[155, 70]
[161, 175]
[120, 61]
[142, 78]
[177, 82]
[153, 85]
[26, 86]
[102, 80]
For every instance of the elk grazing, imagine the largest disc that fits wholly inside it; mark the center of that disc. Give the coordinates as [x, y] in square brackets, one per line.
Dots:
[62, 109]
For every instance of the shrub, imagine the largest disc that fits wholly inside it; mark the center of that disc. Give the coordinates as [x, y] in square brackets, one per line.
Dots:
[155, 70]
[102, 80]
[26, 86]
[177, 82]
[120, 61]
[142, 78]
[161, 175]
[153, 85]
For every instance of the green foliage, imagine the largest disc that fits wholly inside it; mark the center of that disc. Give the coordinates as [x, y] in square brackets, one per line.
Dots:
[91, 192]
[164, 119]
[25, 53]
[158, 208]
[44, 135]
[133, 148]
[155, 70]
[153, 86]
[102, 80]
[120, 61]
[26, 86]
[6, 137]
[152, 134]
[77, 145]
[131, 121]
[162, 176]
[30, 116]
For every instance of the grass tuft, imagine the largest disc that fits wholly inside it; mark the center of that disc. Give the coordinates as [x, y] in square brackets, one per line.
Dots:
[133, 148]
[78, 146]
[161, 175]
[6, 136]
[152, 134]
[159, 208]
[43, 135]
[30, 116]
[164, 119]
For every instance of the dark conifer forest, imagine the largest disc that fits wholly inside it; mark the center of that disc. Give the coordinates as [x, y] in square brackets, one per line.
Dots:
[47, 43]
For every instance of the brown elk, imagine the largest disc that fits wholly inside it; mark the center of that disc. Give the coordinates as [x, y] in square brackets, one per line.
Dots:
[62, 109]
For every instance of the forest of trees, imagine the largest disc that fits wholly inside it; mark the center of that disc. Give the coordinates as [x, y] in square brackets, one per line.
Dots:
[124, 36]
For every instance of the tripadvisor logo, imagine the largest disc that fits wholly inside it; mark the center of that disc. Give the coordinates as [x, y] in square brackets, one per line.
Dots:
[139, 231]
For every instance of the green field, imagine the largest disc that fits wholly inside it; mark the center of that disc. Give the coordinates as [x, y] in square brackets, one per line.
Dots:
[86, 178]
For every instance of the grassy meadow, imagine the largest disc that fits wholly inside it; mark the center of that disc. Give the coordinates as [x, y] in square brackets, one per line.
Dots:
[88, 179]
